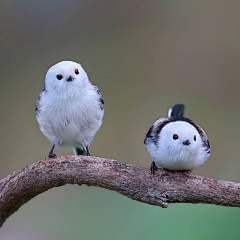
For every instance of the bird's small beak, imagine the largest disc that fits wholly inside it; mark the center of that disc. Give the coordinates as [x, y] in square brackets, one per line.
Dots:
[187, 142]
[70, 78]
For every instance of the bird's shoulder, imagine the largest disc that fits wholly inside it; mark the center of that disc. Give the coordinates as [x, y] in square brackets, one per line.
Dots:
[203, 136]
[154, 130]
[99, 94]
[38, 103]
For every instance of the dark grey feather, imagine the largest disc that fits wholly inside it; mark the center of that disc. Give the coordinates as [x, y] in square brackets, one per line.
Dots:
[37, 109]
[100, 95]
[80, 151]
[178, 110]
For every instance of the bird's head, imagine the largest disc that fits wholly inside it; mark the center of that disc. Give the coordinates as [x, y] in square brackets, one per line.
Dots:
[66, 77]
[180, 136]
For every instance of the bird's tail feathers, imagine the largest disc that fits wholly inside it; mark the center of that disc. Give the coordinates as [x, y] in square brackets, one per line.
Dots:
[79, 151]
[176, 111]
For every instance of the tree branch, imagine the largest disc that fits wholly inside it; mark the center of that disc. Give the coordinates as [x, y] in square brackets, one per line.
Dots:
[130, 180]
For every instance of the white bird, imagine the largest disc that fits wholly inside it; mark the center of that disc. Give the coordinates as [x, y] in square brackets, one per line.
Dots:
[176, 142]
[69, 110]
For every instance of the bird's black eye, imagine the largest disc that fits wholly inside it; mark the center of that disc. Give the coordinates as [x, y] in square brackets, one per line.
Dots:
[195, 138]
[175, 136]
[59, 76]
[76, 71]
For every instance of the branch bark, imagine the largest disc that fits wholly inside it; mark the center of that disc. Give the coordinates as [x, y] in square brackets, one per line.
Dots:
[133, 181]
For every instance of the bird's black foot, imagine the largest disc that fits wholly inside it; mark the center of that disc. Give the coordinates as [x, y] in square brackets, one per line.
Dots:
[88, 152]
[153, 167]
[51, 155]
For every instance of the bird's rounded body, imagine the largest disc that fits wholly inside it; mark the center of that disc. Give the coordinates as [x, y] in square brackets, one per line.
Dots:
[173, 154]
[177, 143]
[69, 113]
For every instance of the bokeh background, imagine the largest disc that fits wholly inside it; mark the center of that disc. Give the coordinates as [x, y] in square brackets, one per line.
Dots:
[145, 56]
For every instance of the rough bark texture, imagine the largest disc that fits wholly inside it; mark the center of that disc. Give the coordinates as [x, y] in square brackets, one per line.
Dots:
[130, 180]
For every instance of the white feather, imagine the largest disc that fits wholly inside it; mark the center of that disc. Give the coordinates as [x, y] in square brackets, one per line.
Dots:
[169, 112]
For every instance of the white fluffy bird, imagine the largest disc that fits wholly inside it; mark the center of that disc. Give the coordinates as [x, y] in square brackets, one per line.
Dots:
[70, 108]
[177, 143]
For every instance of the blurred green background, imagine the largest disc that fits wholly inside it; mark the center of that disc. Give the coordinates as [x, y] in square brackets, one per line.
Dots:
[145, 56]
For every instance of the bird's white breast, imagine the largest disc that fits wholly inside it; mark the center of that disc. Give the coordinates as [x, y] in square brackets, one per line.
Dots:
[72, 119]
